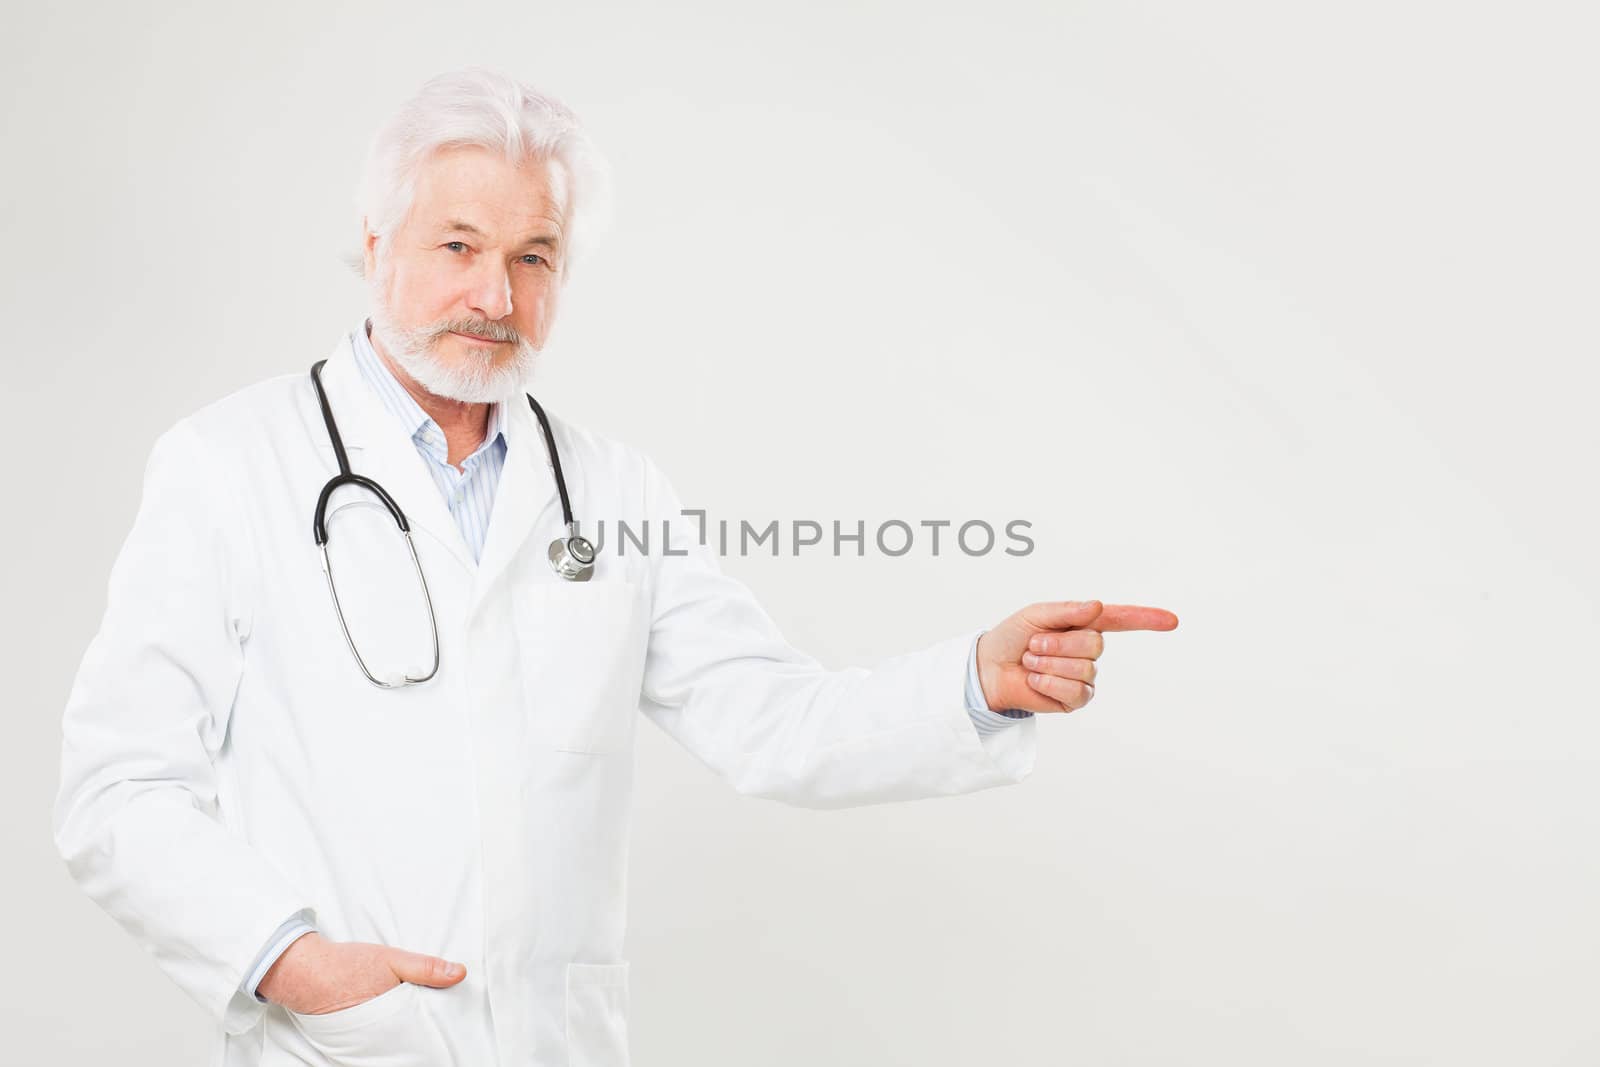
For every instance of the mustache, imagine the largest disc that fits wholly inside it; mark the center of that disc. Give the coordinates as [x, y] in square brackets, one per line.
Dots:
[498, 331]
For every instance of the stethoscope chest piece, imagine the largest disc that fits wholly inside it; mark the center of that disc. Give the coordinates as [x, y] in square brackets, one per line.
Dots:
[572, 557]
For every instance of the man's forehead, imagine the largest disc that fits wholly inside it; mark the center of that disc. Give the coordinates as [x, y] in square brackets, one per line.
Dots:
[490, 219]
[482, 194]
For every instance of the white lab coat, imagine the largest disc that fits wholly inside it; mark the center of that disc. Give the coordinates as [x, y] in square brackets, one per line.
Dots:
[225, 766]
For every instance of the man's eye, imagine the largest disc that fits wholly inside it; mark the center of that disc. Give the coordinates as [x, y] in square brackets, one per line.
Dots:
[533, 258]
[456, 246]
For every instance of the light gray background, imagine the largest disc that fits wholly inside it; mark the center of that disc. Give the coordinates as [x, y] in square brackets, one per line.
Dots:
[1280, 316]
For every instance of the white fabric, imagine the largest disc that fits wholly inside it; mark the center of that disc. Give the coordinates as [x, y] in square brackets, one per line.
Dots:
[225, 765]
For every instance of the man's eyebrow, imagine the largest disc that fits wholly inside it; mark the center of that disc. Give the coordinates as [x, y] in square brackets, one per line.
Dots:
[460, 226]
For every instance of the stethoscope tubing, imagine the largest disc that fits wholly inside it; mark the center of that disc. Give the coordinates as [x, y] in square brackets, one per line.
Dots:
[346, 477]
[572, 557]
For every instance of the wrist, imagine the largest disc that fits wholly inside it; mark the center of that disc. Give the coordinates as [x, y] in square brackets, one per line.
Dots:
[283, 967]
[987, 683]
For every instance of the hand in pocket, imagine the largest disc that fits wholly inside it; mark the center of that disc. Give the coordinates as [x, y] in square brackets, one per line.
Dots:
[315, 976]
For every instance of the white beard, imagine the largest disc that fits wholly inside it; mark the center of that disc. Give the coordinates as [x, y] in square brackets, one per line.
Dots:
[475, 379]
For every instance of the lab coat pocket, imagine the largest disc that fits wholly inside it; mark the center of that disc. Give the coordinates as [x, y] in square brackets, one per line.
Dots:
[597, 1014]
[393, 1029]
[582, 648]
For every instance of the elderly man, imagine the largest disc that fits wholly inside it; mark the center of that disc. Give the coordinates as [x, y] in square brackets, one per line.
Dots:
[350, 754]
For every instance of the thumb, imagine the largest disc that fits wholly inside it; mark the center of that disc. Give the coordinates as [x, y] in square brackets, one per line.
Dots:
[418, 969]
[1061, 614]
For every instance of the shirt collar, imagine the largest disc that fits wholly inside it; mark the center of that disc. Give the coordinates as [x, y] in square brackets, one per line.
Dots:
[418, 423]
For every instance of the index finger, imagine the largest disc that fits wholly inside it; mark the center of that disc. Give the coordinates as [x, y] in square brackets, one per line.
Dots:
[1133, 617]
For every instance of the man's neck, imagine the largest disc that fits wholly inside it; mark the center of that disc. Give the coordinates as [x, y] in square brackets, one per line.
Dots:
[464, 424]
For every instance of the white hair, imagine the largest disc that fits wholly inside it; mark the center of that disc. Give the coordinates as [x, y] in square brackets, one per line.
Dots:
[486, 109]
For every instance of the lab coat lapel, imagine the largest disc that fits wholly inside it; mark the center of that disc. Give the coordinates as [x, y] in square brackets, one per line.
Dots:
[527, 489]
[380, 449]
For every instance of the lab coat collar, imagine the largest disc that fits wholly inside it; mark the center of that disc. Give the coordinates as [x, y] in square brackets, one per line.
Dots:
[526, 495]
[425, 432]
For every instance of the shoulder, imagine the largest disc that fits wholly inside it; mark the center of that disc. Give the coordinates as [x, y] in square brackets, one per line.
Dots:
[231, 427]
[254, 411]
[249, 425]
[641, 487]
[594, 450]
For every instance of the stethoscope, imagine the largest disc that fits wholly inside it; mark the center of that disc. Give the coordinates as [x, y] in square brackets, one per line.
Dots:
[571, 556]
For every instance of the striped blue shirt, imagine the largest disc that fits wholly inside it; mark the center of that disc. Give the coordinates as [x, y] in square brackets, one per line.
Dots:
[469, 493]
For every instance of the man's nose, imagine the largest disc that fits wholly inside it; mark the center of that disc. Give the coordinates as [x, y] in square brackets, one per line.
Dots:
[490, 295]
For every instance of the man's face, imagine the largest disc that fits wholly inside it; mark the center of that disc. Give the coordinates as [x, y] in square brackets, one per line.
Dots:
[477, 257]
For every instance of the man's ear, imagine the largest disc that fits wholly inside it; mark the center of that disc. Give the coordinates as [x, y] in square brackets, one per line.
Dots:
[369, 249]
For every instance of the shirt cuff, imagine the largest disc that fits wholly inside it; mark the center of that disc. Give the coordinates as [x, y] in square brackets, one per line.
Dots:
[293, 928]
[985, 720]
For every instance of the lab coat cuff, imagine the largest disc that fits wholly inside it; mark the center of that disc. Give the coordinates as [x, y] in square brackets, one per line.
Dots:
[296, 926]
[242, 1009]
[1004, 755]
[986, 720]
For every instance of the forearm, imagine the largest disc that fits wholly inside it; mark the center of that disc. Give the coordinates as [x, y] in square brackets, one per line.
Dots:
[793, 732]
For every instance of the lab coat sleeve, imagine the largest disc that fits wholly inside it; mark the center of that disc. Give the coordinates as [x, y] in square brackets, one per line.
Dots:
[136, 817]
[720, 679]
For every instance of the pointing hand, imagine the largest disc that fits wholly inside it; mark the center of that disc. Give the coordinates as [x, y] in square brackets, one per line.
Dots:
[1043, 657]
